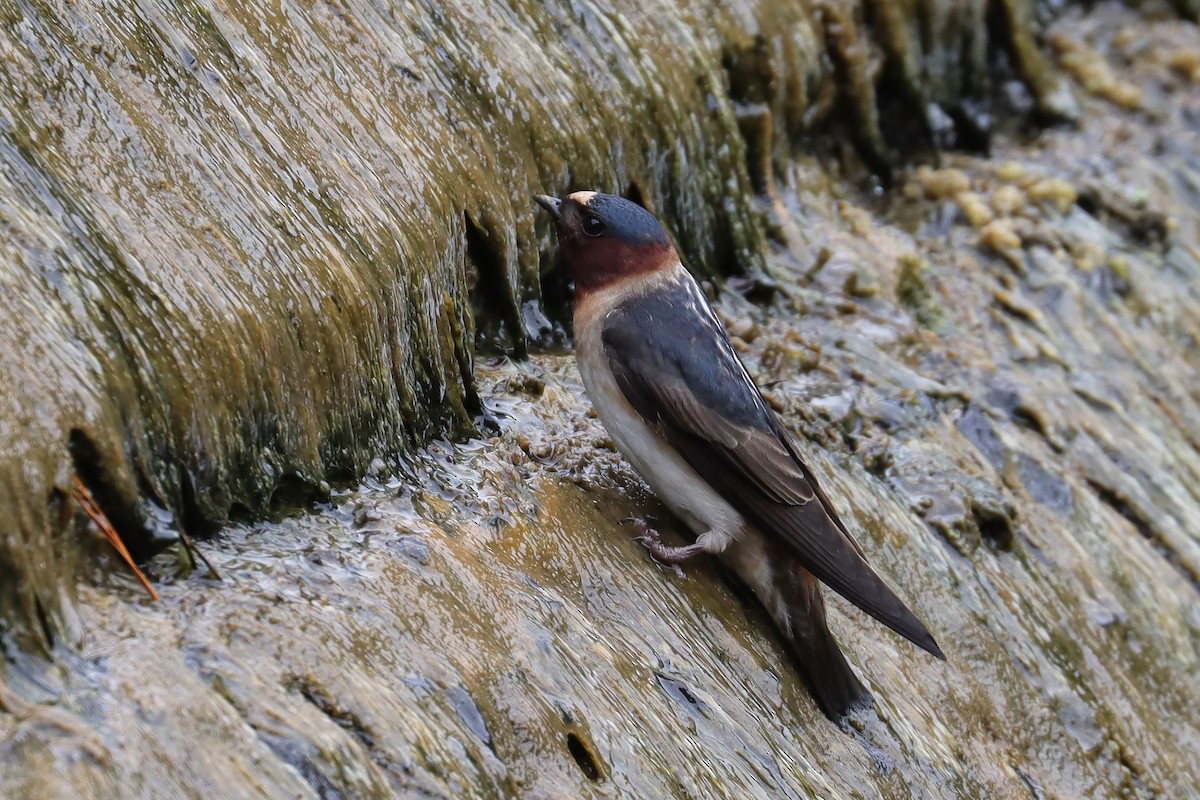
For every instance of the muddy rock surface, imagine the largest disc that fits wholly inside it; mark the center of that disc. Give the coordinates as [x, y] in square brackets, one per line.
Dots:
[992, 367]
[251, 248]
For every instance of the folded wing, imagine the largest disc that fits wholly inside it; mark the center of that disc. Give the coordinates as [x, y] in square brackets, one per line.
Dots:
[693, 389]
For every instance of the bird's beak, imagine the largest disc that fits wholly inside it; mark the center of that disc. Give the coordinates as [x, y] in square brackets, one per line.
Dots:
[551, 204]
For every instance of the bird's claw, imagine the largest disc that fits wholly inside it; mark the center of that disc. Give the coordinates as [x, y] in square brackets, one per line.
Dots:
[660, 553]
[649, 538]
[678, 570]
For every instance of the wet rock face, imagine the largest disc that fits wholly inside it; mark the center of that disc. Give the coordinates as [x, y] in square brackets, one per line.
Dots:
[992, 369]
[246, 238]
[255, 247]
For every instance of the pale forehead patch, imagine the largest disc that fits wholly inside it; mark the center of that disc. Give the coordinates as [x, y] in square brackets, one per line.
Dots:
[583, 198]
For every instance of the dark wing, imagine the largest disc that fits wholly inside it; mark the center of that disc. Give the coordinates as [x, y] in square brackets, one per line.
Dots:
[693, 389]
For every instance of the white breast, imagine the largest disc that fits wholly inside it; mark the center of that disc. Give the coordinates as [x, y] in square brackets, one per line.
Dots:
[689, 497]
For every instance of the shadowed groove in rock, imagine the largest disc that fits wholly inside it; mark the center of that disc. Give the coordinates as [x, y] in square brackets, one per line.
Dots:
[583, 757]
[238, 232]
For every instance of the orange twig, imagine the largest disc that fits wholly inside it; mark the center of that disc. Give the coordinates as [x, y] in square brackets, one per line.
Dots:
[85, 499]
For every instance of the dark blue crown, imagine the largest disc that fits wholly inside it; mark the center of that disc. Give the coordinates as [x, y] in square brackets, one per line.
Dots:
[627, 221]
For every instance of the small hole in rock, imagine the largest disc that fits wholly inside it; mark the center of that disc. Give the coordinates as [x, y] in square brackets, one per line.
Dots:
[583, 757]
[997, 530]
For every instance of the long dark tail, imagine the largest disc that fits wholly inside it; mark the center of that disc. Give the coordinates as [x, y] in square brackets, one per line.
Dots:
[799, 611]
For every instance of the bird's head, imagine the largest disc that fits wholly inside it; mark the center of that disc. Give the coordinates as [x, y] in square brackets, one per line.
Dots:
[607, 239]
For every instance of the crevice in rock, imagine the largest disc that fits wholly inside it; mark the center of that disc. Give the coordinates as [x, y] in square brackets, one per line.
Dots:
[294, 756]
[44, 624]
[498, 326]
[634, 194]
[192, 517]
[583, 757]
[1127, 509]
[349, 721]
[678, 691]
[89, 466]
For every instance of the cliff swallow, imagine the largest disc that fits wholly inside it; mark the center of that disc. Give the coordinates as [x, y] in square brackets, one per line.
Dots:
[669, 388]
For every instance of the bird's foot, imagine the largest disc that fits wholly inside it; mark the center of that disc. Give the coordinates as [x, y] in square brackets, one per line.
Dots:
[667, 556]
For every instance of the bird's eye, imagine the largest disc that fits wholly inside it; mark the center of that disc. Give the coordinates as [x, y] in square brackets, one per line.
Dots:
[592, 226]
